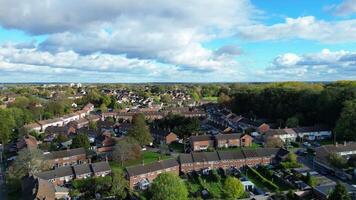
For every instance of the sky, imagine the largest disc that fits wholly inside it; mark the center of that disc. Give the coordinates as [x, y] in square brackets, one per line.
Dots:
[177, 40]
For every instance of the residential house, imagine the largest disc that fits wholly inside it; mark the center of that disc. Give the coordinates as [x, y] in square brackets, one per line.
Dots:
[321, 159]
[27, 141]
[318, 132]
[67, 157]
[201, 142]
[62, 175]
[245, 123]
[163, 136]
[286, 135]
[142, 175]
[232, 140]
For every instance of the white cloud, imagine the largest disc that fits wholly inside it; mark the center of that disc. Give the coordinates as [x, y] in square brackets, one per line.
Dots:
[108, 67]
[307, 28]
[325, 65]
[346, 7]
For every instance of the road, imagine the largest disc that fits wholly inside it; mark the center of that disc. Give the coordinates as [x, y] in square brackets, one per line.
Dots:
[308, 161]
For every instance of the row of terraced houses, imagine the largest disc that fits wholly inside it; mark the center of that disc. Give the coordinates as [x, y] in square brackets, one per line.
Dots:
[142, 175]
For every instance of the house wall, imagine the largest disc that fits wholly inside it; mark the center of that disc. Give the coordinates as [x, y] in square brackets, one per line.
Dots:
[73, 160]
[202, 145]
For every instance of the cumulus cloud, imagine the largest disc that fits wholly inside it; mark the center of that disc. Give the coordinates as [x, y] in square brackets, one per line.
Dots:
[307, 27]
[324, 65]
[109, 67]
[229, 50]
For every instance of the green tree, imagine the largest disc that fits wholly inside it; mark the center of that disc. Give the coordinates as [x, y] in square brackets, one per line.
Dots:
[139, 130]
[6, 125]
[81, 140]
[337, 161]
[292, 122]
[224, 99]
[233, 187]
[103, 108]
[346, 125]
[195, 96]
[312, 181]
[339, 193]
[119, 185]
[168, 186]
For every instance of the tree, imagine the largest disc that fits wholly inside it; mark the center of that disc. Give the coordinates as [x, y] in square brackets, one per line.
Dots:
[103, 108]
[292, 122]
[337, 161]
[339, 193]
[346, 125]
[310, 180]
[29, 161]
[81, 140]
[168, 186]
[233, 187]
[126, 149]
[195, 96]
[140, 130]
[224, 99]
[93, 125]
[274, 142]
[119, 185]
[6, 125]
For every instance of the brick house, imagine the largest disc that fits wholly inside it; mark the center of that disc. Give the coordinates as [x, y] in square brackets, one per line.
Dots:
[166, 137]
[67, 157]
[201, 142]
[230, 159]
[62, 175]
[197, 161]
[227, 140]
[147, 173]
[246, 140]
[232, 140]
[205, 160]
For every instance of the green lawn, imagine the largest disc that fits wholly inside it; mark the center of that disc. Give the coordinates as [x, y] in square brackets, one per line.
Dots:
[212, 99]
[177, 147]
[146, 157]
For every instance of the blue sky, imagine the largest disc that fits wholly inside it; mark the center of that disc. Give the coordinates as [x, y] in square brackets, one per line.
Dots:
[168, 41]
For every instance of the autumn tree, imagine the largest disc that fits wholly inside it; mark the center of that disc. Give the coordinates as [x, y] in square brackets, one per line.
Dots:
[126, 149]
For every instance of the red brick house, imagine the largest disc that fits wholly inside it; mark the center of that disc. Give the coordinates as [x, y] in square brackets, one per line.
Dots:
[166, 137]
[67, 157]
[201, 142]
[246, 140]
[147, 173]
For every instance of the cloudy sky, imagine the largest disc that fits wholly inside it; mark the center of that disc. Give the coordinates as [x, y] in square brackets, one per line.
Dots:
[177, 40]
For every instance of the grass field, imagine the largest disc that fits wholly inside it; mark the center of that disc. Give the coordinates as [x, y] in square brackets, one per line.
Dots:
[146, 157]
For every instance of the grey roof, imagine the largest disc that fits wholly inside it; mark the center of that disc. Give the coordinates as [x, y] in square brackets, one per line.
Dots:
[200, 138]
[82, 169]
[250, 153]
[56, 173]
[312, 129]
[228, 136]
[65, 153]
[144, 169]
[185, 158]
[205, 156]
[231, 155]
[100, 167]
[267, 152]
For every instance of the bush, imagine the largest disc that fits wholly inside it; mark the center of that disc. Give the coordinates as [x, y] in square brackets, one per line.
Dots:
[294, 144]
[266, 182]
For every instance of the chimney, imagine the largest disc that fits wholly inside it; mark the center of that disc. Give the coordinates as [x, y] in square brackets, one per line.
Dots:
[345, 143]
[336, 144]
[106, 159]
